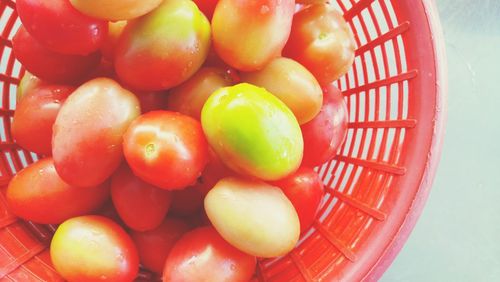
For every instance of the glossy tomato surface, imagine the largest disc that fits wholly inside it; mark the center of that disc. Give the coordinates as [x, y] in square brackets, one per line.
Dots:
[166, 149]
[155, 245]
[37, 193]
[324, 135]
[249, 34]
[94, 248]
[114, 10]
[49, 65]
[305, 190]
[60, 27]
[203, 255]
[164, 48]
[140, 205]
[35, 115]
[88, 132]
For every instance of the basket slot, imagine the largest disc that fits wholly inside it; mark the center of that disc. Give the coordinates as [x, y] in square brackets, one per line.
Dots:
[382, 82]
[345, 250]
[357, 8]
[38, 269]
[301, 266]
[373, 212]
[400, 29]
[381, 166]
[401, 123]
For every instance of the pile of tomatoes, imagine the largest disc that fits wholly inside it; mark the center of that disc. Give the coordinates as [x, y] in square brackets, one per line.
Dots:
[177, 135]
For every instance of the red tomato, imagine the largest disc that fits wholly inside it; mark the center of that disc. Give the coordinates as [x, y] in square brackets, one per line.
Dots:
[93, 248]
[322, 42]
[249, 34]
[109, 211]
[155, 245]
[140, 205]
[88, 132]
[202, 255]
[305, 190]
[37, 193]
[49, 65]
[187, 201]
[152, 101]
[207, 7]
[35, 115]
[163, 48]
[60, 27]
[166, 149]
[324, 135]
[108, 47]
[214, 171]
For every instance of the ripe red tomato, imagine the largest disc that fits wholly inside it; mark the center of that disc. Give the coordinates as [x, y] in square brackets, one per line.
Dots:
[140, 205]
[49, 65]
[187, 202]
[202, 255]
[155, 245]
[326, 132]
[93, 248]
[35, 115]
[322, 42]
[166, 149]
[163, 48]
[60, 27]
[207, 7]
[152, 101]
[214, 171]
[305, 190]
[108, 47]
[249, 34]
[37, 193]
[88, 132]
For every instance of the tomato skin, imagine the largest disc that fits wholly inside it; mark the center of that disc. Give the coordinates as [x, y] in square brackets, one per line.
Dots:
[48, 65]
[324, 135]
[166, 149]
[305, 190]
[207, 7]
[60, 27]
[321, 41]
[249, 34]
[94, 248]
[214, 171]
[202, 255]
[87, 139]
[253, 132]
[108, 47]
[152, 101]
[253, 216]
[187, 201]
[189, 97]
[26, 85]
[154, 54]
[35, 115]
[155, 245]
[37, 193]
[115, 10]
[140, 205]
[291, 83]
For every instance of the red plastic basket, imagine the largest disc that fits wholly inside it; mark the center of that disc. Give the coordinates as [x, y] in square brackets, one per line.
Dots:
[378, 184]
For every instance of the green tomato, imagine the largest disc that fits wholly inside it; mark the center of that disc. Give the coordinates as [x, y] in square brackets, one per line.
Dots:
[253, 132]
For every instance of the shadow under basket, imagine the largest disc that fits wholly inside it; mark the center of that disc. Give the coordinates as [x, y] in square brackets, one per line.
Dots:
[376, 186]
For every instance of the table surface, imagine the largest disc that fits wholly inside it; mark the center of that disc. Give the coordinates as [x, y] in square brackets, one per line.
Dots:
[458, 235]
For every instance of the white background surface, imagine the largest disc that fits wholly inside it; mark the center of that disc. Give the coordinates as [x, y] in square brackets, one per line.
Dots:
[458, 235]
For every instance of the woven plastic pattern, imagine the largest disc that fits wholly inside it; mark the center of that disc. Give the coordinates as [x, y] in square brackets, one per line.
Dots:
[377, 185]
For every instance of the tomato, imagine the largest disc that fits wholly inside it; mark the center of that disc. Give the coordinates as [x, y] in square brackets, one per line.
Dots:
[321, 41]
[114, 10]
[202, 255]
[291, 83]
[249, 34]
[324, 135]
[140, 205]
[305, 190]
[164, 48]
[155, 245]
[108, 47]
[37, 193]
[88, 132]
[207, 7]
[60, 27]
[187, 201]
[190, 97]
[152, 101]
[27, 83]
[166, 149]
[36, 113]
[253, 216]
[253, 132]
[49, 65]
[93, 248]
[214, 171]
